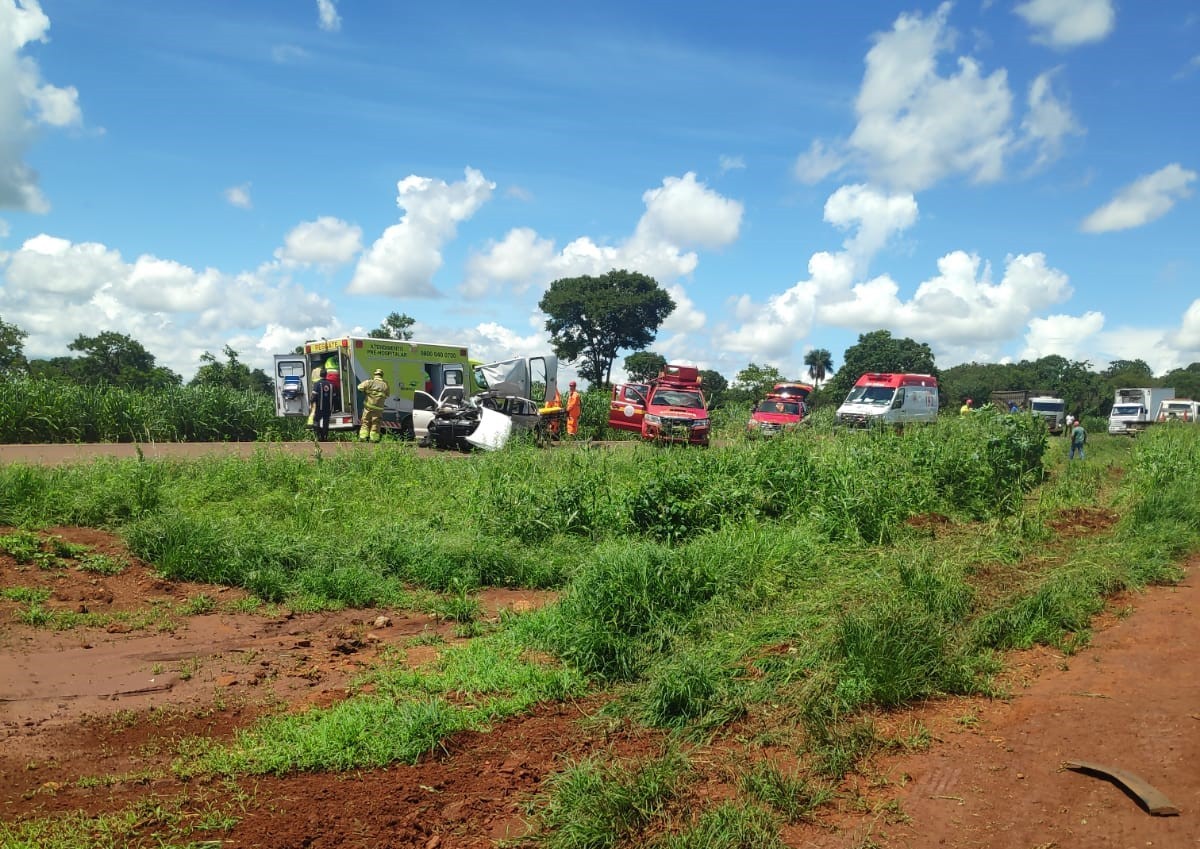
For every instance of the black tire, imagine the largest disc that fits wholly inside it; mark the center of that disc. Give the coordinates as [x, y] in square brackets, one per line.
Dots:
[406, 430]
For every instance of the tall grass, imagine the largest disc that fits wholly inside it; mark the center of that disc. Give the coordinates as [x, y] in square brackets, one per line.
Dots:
[42, 411]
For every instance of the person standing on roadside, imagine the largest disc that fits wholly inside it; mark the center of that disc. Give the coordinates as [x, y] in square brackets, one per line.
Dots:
[1078, 439]
[321, 401]
[376, 391]
[965, 408]
[574, 409]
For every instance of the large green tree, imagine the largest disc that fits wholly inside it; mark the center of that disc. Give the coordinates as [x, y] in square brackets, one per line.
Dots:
[1132, 372]
[644, 366]
[820, 364]
[397, 325]
[754, 381]
[232, 373]
[881, 352]
[590, 319]
[112, 359]
[12, 348]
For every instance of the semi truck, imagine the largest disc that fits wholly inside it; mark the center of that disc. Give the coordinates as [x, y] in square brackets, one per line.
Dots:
[1053, 411]
[423, 377]
[1134, 409]
[880, 398]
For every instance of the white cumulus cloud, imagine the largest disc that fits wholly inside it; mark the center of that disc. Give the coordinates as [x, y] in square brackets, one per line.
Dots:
[681, 213]
[1187, 337]
[1049, 119]
[327, 15]
[404, 259]
[26, 102]
[686, 213]
[1142, 201]
[518, 260]
[915, 126]
[960, 307]
[875, 215]
[327, 241]
[56, 290]
[1068, 336]
[1068, 23]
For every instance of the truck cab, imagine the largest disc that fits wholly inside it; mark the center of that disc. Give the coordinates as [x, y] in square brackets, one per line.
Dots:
[775, 414]
[1134, 409]
[1053, 411]
[671, 408]
[890, 398]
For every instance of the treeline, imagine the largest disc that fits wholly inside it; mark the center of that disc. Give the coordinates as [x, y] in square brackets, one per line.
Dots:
[118, 360]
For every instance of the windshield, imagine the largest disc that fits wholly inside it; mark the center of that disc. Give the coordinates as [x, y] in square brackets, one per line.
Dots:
[1049, 406]
[678, 398]
[783, 408]
[1127, 410]
[880, 395]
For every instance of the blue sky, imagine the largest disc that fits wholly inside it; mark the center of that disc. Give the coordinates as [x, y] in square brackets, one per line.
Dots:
[998, 179]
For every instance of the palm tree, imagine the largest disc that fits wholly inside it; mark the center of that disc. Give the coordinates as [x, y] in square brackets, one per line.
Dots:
[820, 363]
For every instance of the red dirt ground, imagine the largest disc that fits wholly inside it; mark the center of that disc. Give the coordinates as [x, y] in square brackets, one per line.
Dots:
[95, 702]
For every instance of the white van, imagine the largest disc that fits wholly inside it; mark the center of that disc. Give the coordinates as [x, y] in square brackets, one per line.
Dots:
[886, 398]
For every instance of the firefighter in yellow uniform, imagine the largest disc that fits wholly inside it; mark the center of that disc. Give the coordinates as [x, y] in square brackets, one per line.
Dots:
[574, 409]
[377, 390]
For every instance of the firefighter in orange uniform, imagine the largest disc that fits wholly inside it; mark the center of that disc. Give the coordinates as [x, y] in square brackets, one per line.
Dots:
[574, 409]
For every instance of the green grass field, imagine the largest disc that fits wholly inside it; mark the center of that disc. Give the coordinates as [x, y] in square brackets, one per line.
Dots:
[893, 568]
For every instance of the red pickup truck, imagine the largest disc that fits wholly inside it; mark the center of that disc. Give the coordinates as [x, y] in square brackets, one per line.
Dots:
[670, 408]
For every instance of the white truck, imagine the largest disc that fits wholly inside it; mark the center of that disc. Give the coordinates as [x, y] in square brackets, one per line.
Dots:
[1053, 411]
[1134, 410]
[423, 377]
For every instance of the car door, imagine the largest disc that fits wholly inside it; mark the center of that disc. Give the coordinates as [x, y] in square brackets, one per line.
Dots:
[424, 408]
[627, 407]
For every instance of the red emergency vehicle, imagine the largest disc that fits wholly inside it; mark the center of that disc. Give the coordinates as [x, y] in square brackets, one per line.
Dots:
[775, 413]
[671, 408]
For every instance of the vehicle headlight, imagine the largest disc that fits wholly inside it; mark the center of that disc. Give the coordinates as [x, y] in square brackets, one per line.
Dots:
[753, 423]
[700, 423]
[654, 420]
